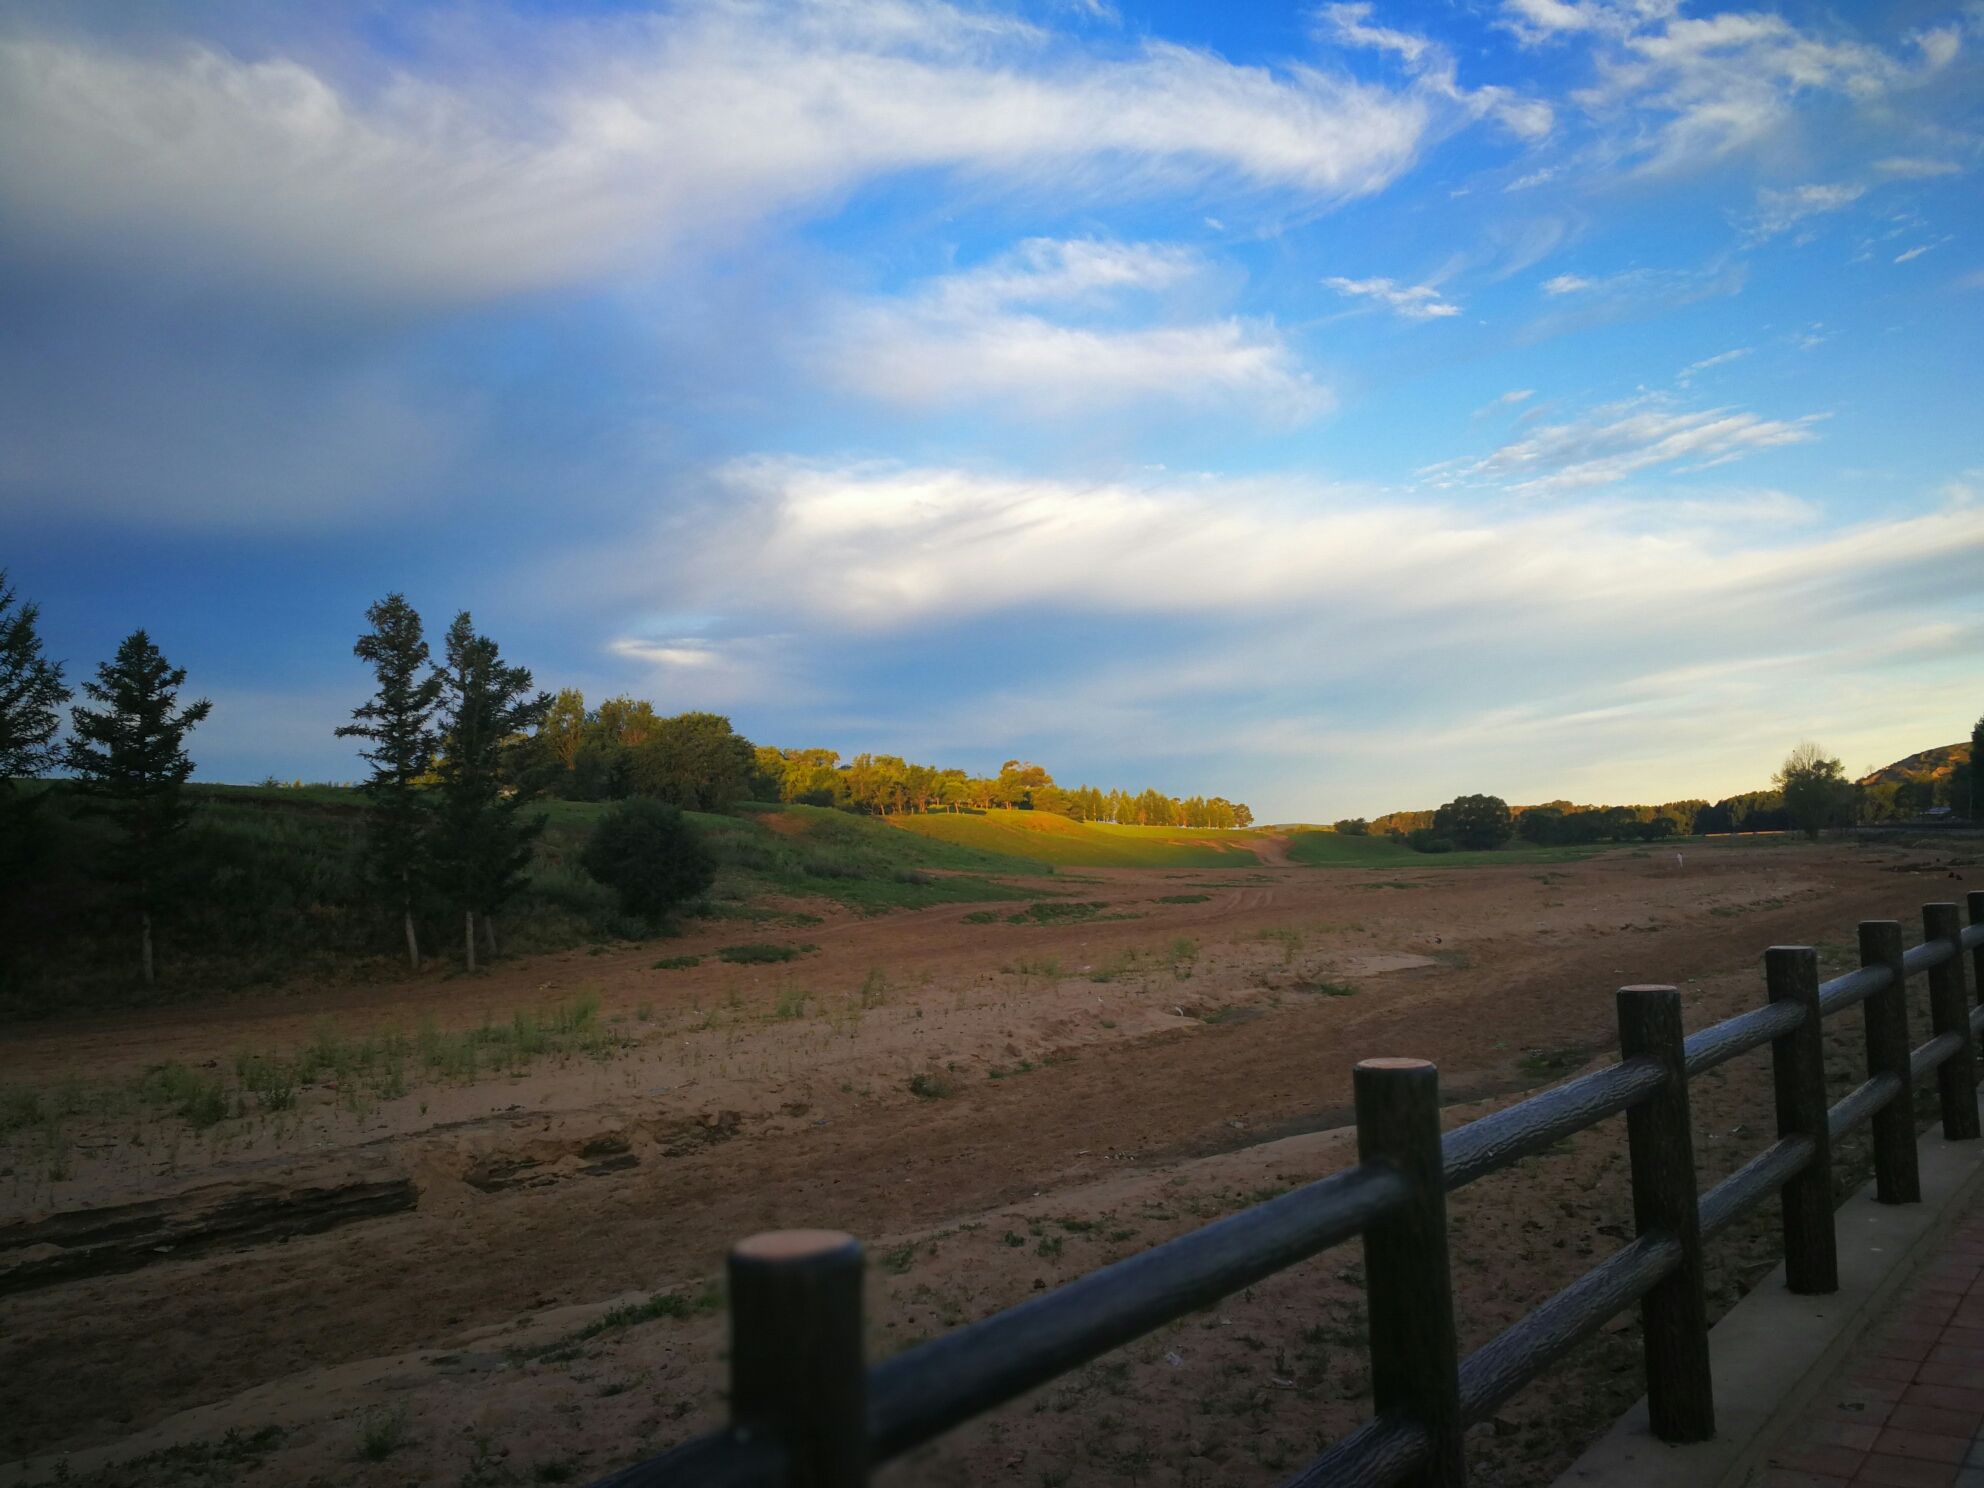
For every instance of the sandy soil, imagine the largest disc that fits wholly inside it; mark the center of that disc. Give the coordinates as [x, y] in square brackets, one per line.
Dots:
[1100, 1085]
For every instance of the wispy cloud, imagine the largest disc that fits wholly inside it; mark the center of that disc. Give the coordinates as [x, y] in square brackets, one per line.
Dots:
[1688, 373]
[1511, 399]
[1675, 92]
[1040, 330]
[1779, 210]
[635, 138]
[1412, 301]
[1563, 284]
[1617, 441]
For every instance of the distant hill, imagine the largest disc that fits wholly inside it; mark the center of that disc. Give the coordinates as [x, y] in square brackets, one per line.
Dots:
[1927, 764]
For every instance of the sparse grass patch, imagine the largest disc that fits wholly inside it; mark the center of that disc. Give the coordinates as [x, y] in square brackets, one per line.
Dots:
[677, 963]
[1183, 898]
[932, 1085]
[382, 1433]
[1031, 966]
[791, 1004]
[983, 917]
[1549, 1063]
[1327, 989]
[759, 953]
[1057, 912]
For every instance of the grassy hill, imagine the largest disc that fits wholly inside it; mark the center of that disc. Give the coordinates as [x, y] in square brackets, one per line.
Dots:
[1047, 838]
[270, 886]
[1926, 764]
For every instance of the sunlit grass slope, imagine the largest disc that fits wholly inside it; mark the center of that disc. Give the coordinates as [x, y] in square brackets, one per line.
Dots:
[1055, 839]
[1337, 850]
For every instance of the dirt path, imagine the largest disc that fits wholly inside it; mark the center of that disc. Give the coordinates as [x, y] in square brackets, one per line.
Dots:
[1071, 1055]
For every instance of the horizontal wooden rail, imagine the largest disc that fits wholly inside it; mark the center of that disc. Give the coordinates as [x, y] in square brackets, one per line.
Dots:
[808, 1415]
[1528, 1127]
[1932, 1055]
[1856, 986]
[1739, 1035]
[1857, 1107]
[1499, 1368]
[1759, 1178]
[929, 1389]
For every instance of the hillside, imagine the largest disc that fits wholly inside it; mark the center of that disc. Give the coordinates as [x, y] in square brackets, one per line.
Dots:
[1926, 764]
[1044, 837]
[269, 886]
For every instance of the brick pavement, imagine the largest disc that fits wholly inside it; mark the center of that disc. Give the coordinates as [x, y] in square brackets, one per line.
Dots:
[1906, 1410]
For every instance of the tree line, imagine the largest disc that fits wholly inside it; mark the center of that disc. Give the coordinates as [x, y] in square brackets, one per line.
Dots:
[623, 748]
[1810, 793]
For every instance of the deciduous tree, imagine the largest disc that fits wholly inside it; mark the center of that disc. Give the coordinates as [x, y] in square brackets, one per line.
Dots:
[1817, 793]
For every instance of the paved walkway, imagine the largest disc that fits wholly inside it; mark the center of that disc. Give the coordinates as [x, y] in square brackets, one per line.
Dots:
[1907, 1410]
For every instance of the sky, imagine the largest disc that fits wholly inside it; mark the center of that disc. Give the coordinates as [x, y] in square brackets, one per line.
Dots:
[1333, 407]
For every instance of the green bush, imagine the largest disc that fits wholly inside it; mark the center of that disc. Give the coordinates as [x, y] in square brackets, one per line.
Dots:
[1426, 840]
[650, 856]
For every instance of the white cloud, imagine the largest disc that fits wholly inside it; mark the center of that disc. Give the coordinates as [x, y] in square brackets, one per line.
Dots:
[1675, 92]
[1565, 284]
[635, 137]
[1620, 440]
[1907, 255]
[1508, 400]
[1778, 210]
[1433, 65]
[1687, 373]
[986, 334]
[1587, 636]
[1913, 168]
[1412, 301]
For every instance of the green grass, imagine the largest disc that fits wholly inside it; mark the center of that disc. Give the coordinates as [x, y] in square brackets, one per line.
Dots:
[1336, 850]
[761, 953]
[270, 887]
[677, 963]
[1054, 839]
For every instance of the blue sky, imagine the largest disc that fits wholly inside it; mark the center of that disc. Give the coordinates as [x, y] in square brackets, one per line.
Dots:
[1333, 407]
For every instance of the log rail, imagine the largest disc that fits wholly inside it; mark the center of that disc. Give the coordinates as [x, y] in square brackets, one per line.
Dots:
[808, 1412]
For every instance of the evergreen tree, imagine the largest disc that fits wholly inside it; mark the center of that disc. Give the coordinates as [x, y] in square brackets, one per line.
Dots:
[31, 698]
[130, 759]
[482, 840]
[1977, 772]
[399, 723]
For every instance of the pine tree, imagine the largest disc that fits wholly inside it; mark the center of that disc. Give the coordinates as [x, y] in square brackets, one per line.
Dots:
[1977, 771]
[31, 698]
[482, 841]
[130, 759]
[399, 722]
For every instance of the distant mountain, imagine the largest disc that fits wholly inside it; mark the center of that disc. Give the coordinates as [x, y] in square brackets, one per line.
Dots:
[1928, 764]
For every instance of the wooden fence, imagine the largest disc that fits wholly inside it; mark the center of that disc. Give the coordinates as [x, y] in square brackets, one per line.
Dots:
[808, 1411]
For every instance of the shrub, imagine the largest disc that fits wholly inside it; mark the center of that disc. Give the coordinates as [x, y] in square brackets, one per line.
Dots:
[1427, 840]
[650, 856]
[1353, 826]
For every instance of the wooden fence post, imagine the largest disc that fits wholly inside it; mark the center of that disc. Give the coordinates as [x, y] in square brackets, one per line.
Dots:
[1896, 1180]
[797, 1372]
[1949, 1009]
[1415, 1366]
[1976, 898]
[1798, 1068]
[1674, 1315]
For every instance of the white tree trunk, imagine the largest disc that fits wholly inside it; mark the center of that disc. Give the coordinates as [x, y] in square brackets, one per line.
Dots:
[412, 941]
[489, 936]
[468, 920]
[145, 921]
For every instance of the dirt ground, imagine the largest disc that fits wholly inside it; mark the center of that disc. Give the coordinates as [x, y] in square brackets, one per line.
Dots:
[994, 1107]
